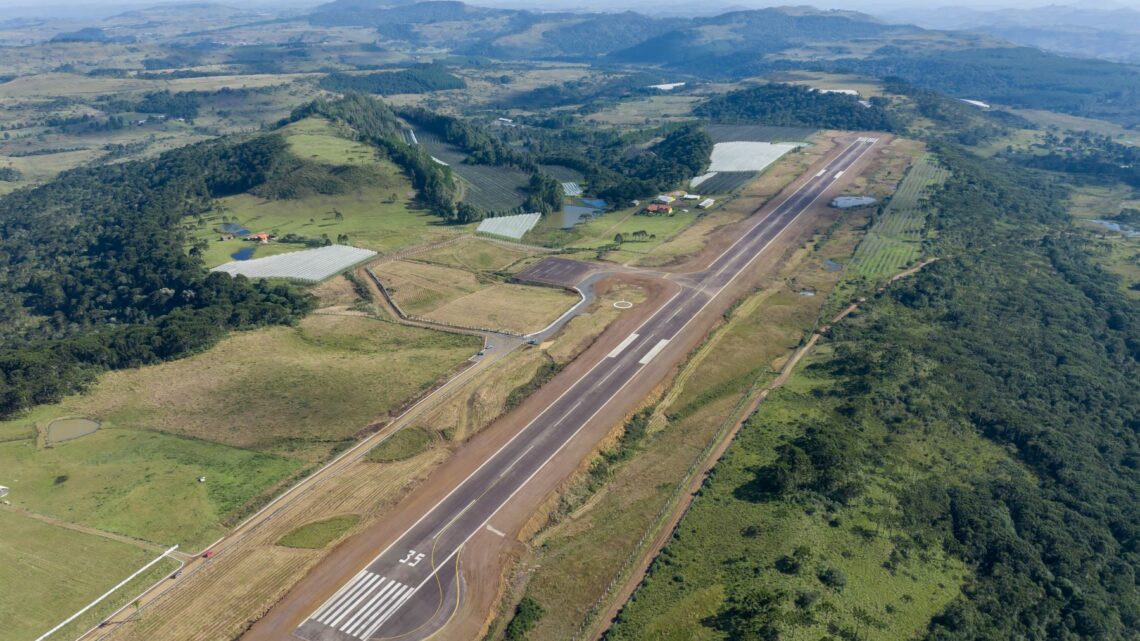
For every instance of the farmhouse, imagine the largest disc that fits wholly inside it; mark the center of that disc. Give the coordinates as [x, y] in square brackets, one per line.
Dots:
[659, 209]
[261, 237]
[690, 197]
[664, 199]
[706, 203]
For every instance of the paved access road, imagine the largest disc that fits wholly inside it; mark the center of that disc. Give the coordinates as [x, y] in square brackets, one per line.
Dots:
[403, 590]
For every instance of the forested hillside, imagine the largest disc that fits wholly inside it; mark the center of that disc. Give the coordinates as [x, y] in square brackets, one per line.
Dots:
[93, 273]
[795, 106]
[983, 412]
[418, 79]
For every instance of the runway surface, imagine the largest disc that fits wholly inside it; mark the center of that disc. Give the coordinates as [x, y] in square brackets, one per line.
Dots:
[412, 586]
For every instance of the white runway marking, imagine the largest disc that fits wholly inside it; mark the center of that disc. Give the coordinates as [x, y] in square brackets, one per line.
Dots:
[820, 173]
[492, 530]
[838, 175]
[363, 604]
[654, 352]
[621, 347]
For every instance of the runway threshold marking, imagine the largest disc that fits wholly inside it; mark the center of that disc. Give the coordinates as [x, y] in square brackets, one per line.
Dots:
[651, 354]
[621, 346]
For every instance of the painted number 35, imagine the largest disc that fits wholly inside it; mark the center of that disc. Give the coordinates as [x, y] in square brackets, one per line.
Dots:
[412, 558]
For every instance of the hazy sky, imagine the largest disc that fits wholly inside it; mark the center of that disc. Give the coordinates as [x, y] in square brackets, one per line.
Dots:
[88, 8]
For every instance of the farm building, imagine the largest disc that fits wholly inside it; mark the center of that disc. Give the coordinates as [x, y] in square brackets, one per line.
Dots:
[706, 203]
[690, 197]
[664, 199]
[508, 226]
[977, 103]
[656, 208]
[261, 237]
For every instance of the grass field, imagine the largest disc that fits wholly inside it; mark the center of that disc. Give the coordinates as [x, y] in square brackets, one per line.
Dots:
[319, 534]
[455, 296]
[220, 414]
[654, 110]
[48, 572]
[1117, 252]
[599, 231]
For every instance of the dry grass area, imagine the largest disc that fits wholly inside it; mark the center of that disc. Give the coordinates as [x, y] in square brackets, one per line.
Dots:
[456, 296]
[575, 559]
[480, 255]
[517, 308]
[296, 391]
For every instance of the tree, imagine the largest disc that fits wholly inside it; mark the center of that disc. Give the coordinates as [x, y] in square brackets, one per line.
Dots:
[618, 239]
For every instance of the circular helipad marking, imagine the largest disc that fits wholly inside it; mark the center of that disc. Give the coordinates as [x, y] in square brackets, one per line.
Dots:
[623, 304]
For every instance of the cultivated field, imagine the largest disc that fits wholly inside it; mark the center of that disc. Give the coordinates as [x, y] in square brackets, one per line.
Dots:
[489, 188]
[722, 182]
[895, 239]
[219, 415]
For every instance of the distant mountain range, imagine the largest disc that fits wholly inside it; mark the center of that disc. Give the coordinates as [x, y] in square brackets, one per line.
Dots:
[722, 43]
[1087, 30]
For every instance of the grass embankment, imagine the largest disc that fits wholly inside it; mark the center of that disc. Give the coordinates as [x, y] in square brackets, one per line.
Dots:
[319, 534]
[49, 572]
[247, 415]
[402, 445]
[376, 213]
[604, 516]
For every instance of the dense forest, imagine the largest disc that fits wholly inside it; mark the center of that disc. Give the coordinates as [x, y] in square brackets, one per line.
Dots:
[1017, 77]
[94, 276]
[1015, 339]
[419, 79]
[796, 106]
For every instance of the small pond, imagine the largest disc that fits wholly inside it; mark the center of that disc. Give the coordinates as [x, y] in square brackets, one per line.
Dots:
[233, 228]
[66, 429]
[245, 253]
[573, 214]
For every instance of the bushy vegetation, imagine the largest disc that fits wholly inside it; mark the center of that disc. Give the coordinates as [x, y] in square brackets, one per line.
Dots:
[795, 106]
[1014, 340]
[419, 79]
[318, 534]
[94, 275]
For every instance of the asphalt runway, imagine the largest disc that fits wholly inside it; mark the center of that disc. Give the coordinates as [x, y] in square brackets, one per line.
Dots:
[411, 588]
